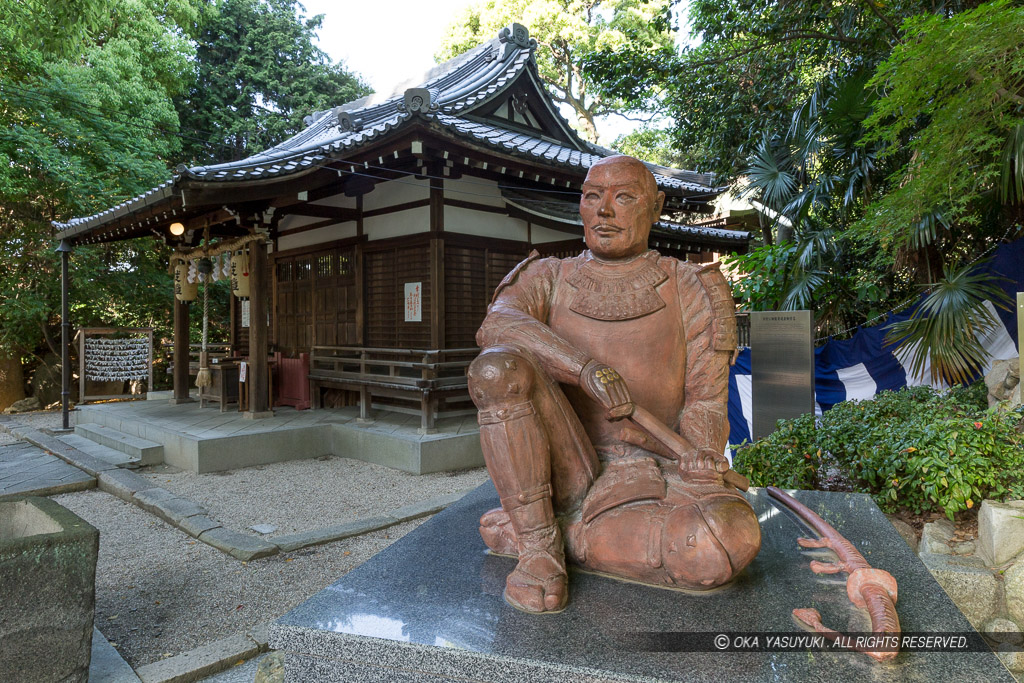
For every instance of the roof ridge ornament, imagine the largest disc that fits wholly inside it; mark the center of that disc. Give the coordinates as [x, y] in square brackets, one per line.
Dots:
[346, 122]
[513, 38]
[420, 101]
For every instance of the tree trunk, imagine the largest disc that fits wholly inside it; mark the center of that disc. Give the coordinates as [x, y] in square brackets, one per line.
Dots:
[12, 382]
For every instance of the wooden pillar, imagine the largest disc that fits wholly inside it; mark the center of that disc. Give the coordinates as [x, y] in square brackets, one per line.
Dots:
[259, 405]
[436, 261]
[181, 342]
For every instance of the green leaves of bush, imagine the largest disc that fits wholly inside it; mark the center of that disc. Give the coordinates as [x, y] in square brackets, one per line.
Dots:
[916, 448]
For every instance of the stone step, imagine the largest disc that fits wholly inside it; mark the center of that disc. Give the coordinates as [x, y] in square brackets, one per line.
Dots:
[100, 451]
[145, 451]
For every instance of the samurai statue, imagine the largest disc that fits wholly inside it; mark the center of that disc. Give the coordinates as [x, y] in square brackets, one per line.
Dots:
[573, 350]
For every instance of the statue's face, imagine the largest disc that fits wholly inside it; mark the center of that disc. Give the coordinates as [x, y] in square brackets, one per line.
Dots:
[620, 202]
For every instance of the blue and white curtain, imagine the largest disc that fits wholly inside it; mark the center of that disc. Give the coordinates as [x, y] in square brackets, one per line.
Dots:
[862, 366]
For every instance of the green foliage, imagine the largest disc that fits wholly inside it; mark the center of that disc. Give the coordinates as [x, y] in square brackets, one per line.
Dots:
[569, 32]
[78, 137]
[945, 328]
[958, 117]
[259, 74]
[916, 448]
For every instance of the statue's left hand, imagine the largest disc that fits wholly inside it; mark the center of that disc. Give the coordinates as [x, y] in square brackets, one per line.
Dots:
[606, 386]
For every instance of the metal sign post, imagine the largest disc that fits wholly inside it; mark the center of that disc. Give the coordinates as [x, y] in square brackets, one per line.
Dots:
[781, 367]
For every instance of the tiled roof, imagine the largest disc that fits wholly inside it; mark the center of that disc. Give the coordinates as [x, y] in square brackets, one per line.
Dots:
[569, 213]
[445, 95]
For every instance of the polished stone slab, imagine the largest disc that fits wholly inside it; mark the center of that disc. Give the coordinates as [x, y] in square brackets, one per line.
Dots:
[430, 608]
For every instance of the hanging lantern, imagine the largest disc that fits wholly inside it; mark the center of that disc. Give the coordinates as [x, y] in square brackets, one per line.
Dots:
[183, 289]
[240, 274]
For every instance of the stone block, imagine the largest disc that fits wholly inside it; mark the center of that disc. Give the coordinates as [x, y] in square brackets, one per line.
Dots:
[122, 483]
[201, 662]
[906, 532]
[936, 536]
[48, 582]
[430, 608]
[1003, 631]
[971, 586]
[196, 524]
[1013, 585]
[1000, 531]
[238, 545]
[304, 539]
[1002, 379]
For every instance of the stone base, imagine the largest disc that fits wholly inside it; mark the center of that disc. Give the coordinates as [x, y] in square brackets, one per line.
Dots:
[403, 450]
[47, 583]
[430, 608]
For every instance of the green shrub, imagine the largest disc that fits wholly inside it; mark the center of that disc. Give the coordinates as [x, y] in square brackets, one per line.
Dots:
[915, 448]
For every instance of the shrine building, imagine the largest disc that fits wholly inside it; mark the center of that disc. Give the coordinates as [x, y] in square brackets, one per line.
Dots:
[374, 238]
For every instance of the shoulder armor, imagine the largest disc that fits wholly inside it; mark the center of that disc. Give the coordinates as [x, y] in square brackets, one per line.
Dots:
[513, 274]
[723, 309]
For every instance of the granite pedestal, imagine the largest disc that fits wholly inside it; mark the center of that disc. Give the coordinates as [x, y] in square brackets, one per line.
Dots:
[430, 608]
[47, 592]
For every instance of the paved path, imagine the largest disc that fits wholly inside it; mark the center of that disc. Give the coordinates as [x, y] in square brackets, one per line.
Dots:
[28, 470]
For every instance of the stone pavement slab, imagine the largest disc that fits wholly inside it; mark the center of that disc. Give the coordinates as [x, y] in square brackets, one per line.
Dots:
[28, 470]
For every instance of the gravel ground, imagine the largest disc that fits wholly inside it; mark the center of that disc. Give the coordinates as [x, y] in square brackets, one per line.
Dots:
[302, 495]
[160, 592]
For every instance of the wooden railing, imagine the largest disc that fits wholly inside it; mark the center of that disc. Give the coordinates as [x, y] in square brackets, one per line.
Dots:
[433, 379]
[213, 351]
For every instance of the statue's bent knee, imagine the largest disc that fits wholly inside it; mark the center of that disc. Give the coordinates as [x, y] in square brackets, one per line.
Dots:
[500, 377]
[698, 545]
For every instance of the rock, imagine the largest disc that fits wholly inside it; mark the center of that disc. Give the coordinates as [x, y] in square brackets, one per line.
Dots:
[1013, 584]
[46, 379]
[936, 537]
[1001, 379]
[1011, 656]
[1000, 531]
[968, 583]
[23, 406]
[270, 669]
[965, 548]
[906, 532]
[1003, 631]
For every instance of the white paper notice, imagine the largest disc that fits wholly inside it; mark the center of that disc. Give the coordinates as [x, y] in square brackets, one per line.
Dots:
[413, 302]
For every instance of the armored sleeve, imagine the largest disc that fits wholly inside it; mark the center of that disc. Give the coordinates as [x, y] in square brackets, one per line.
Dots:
[518, 316]
[710, 321]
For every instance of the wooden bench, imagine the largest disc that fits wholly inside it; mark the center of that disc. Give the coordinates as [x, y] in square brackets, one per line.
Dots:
[430, 383]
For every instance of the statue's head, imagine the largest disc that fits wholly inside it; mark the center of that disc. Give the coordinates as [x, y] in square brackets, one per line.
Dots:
[620, 203]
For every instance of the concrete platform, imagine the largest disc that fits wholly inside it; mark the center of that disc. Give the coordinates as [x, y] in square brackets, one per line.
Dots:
[206, 440]
[430, 608]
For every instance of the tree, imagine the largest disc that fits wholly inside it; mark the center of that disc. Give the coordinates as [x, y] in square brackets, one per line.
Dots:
[882, 142]
[258, 74]
[568, 32]
[87, 122]
[751, 64]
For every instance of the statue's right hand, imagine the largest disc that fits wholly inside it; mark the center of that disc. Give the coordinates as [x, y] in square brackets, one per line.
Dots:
[606, 386]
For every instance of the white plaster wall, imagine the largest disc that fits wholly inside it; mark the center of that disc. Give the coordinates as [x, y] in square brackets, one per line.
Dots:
[406, 189]
[398, 224]
[289, 222]
[483, 224]
[477, 190]
[329, 233]
[540, 235]
[337, 200]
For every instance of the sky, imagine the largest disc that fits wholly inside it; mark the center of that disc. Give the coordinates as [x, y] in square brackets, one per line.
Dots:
[390, 41]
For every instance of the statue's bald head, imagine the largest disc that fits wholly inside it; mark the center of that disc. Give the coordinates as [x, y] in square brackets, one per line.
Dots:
[620, 202]
[629, 165]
